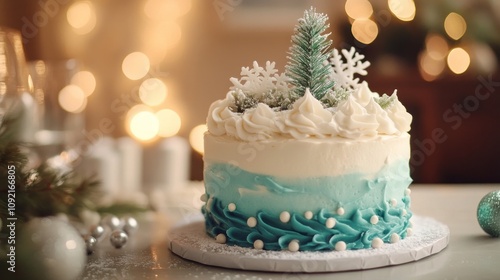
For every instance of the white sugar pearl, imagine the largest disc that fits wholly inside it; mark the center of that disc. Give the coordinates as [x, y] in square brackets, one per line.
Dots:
[340, 211]
[258, 244]
[403, 212]
[409, 231]
[203, 197]
[394, 238]
[293, 246]
[252, 222]
[330, 222]
[407, 192]
[393, 202]
[285, 217]
[377, 243]
[308, 215]
[220, 238]
[340, 246]
[374, 219]
[231, 207]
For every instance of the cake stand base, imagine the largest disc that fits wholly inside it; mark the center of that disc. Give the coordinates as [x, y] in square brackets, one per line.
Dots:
[190, 241]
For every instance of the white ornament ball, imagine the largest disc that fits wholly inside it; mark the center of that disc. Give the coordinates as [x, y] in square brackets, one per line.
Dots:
[330, 222]
[340, 211]
[374, 219]
[308, 215]
[48, 248]
[118, 238]
[340, 246]
[393, 202]
[258, 244]
[409, 232]
[231, 207]
[293, 246]
[377, 243]
[285, 217]
[408, 192]
[403, 212]
[252, 222]
[221, 238]
[395, 238]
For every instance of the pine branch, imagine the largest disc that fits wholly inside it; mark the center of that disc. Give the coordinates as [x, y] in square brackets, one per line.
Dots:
[308, 65]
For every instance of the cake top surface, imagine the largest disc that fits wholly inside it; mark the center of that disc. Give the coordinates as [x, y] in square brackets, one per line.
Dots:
[318, 96]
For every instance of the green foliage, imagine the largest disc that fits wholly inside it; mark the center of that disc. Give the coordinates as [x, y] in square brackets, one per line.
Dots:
[333, 98]
[308, 65]
[385, 101]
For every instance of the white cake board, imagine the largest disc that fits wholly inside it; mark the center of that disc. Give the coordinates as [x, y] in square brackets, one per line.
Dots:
[190, 241]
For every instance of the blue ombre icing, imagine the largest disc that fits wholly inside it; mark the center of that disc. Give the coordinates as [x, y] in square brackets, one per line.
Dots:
[363, 207]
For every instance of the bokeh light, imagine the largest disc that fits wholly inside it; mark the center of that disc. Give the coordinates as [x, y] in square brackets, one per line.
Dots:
[161, 9]
[159, 38]
[144, 125]
[85, 80]
[170, 122]
[196, 138]
[135, 65]
[455, 26]
[81, 16]
[72, 99]
[429, 67]
[364, 30]
[358, 9]
[458, 60]
[437, 47]
[152, 92]
[404, 10]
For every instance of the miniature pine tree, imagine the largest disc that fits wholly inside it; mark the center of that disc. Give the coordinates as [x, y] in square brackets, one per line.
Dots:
[307, 61]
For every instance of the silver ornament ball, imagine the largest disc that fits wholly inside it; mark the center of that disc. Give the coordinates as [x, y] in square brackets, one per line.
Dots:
[97, 231]
[488, 213]
[111, 221]
[118, 238]
[90, 243]
[129, 225]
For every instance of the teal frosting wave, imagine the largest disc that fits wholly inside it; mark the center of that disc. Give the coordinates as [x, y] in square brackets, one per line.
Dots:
[264, 197]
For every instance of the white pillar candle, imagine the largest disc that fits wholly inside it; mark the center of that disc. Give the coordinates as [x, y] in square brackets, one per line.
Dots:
[130, 154]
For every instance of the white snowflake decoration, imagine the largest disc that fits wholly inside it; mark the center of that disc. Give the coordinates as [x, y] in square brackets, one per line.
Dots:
[258, 81]
[343, 72]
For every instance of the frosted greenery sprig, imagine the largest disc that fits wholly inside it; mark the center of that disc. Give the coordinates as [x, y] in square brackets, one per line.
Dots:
[308, 65]
[385, 101]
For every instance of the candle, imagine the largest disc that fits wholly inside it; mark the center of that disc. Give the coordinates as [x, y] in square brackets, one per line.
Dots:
[130, 154]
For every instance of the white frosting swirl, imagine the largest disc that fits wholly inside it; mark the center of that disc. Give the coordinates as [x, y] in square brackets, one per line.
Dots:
[218, 115]
[386, 125]
[401, 118]
[256, 124]
[363, 94]
[308, 117]
[354, 121]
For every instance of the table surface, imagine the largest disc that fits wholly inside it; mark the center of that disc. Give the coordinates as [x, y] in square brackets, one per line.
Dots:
[471, 253]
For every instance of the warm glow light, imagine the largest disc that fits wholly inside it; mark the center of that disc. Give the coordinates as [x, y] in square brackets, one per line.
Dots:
[403, 9]
[437, 47]
[72, 99]
[144, 126]
[364, 30]
[164, 9]
[159, 38]
[85, 80]
[153, 92]
[458, 60]
[455, 26]
[429, 67]
[196, 138]
[81, 16]
[358, 9]
[135, 65]
[170, 122]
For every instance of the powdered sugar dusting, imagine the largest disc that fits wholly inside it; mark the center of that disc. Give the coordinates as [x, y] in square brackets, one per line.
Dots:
[191, 242]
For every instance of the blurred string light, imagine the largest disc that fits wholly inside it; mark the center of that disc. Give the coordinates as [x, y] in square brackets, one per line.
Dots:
[85, 80]
[437, 47]
[82, 17]
[135, 65]
[142, 123]
[152, 91]
[458, 60]
[161, 9]
[358, 9]
[364, 30]
[196, 138]
[404, 10]
[430, 67]
[455, 26]
[169, 122]
[72, 99]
